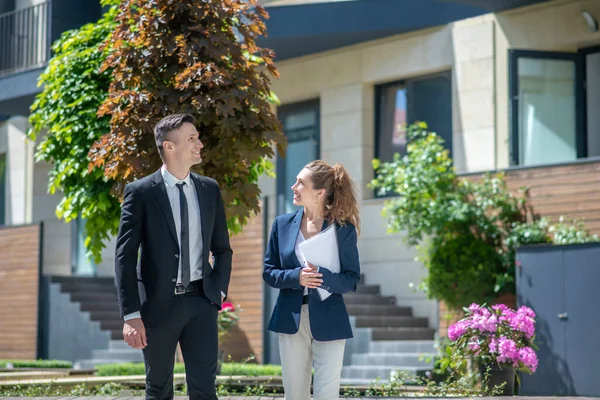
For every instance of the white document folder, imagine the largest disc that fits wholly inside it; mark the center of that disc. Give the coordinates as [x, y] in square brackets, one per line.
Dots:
[322, 250]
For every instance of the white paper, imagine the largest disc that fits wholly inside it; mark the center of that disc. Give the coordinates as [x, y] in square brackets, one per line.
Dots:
[322, 250]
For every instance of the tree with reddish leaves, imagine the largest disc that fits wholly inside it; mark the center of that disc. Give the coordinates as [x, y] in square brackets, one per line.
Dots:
[196, 57]
[157, 57]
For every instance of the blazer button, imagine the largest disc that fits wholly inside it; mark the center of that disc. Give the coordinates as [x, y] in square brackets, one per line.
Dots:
[174, 280]
[176, 255]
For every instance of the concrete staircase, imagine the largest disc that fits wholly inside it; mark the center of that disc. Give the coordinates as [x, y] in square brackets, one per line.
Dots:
[387, 338]
[97, 296]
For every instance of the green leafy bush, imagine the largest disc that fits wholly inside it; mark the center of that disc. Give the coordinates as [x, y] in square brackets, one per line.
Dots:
[49, 390]
[467, 231]
[36, 364]
[226, 369]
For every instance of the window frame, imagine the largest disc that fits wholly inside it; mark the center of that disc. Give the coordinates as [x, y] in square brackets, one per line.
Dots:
[407, 84]
[3, 159]
[578, 59]
[280, 168]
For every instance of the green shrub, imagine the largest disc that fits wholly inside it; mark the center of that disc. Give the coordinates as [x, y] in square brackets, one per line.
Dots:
[49, 390]
[467, 232]
[226, 369]
[234, 369]
[36, 364]
[128, 369]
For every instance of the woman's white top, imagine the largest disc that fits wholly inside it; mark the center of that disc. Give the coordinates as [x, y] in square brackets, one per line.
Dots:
[299, 254]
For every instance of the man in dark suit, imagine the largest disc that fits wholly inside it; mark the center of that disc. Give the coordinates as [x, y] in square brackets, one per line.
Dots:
[169, 293]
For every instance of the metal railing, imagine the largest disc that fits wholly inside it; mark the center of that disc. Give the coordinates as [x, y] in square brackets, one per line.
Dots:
[25, 38]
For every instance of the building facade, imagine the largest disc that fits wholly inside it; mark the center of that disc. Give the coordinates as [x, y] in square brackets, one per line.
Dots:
[509, 87]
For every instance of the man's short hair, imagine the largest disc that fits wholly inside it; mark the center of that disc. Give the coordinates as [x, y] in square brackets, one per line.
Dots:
[168, 124]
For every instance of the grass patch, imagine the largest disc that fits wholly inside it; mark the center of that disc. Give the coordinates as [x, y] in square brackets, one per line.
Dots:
[226, 369]
[48, 390]
[250, 369]
[128, 369]
[36, 364]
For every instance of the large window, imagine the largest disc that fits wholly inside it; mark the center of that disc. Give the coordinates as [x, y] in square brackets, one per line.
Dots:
[301, 126]
[554, 103]
[81, 265]
[2, 188]
[398, 104]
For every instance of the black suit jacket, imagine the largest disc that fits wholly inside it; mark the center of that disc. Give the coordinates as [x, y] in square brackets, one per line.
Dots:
[146, 279]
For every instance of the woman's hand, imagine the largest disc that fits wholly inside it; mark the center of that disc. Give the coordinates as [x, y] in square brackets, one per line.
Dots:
[310, 278]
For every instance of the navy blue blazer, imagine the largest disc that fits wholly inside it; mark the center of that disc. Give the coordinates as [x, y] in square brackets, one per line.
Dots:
[328, 319]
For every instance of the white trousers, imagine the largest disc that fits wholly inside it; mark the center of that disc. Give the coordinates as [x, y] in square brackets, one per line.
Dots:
[299, 353]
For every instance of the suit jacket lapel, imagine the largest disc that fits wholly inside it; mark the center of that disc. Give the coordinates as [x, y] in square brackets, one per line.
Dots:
[163, 200]
[201, 193]
[294, 231]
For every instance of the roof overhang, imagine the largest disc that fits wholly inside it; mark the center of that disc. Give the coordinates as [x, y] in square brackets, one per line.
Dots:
[301, 27]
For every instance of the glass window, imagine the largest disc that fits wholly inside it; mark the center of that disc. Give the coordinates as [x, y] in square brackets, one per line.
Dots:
[2, 188]
[548, 106]
[547, 126]
[593, 103]
[301, 127]
[82, 265]
[427, 99]
[392, 138]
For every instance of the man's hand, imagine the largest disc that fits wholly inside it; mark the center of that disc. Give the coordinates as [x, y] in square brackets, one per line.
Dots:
[310, 278]
[134, 333]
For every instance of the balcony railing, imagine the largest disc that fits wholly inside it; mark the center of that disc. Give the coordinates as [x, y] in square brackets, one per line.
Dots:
[25, 38]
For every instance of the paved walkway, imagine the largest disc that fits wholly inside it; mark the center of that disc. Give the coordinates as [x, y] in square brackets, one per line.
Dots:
[281, 398]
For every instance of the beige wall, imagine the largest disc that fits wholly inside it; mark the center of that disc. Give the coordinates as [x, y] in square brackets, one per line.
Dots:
[475, 50]
[19, 166]
[57, 233]
[27, 199]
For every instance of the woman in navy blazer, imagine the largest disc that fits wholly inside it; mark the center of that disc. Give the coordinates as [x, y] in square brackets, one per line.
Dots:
[313, 332]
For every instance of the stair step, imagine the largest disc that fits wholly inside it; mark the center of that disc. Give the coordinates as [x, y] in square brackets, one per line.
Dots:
[116, 334]
[368, 298]
[361, 382]
[402, 346]
[93, 362]
[389, 321]
[88, 287]
[370, 309]
[125, 355]
[99, 315]
[94, 297]
[111, 325]
[99, 306]
[374, 371]
[118, 345]
[106, 280]
[413, 360]
[373, 289]
[402, 333]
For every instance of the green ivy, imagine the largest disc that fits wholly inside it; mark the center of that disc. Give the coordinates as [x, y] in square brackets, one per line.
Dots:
[467, 231]
[65, 114]
[109, 82]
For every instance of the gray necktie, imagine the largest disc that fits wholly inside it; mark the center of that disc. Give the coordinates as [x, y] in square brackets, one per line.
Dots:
[185, 237]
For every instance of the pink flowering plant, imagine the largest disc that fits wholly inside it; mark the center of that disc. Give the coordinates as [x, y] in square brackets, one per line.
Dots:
[494, 335]
[227, 318]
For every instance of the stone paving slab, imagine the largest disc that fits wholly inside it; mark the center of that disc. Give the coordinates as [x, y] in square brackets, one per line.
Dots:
[281, 398]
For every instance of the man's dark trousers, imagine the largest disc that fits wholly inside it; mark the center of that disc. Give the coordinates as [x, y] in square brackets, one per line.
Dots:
[192, 323]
